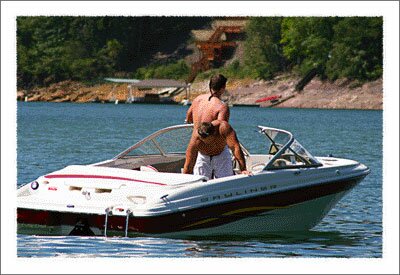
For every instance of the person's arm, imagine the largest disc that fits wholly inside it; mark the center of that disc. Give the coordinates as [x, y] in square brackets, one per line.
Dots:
[191, 156]
[223, 114]
[189, 115]
[233, 144]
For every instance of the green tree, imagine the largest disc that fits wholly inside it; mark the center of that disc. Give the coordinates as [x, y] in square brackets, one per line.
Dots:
[357, 49]
[55, 48]
[178, 70]
[307, 42]
[263, 53]
[39, 50]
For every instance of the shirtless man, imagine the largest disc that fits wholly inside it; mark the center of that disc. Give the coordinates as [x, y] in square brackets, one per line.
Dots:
[208, 154]
[206, 108]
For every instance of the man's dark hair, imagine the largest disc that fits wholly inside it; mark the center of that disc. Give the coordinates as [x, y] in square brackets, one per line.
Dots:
[217, 82]
[206, 129]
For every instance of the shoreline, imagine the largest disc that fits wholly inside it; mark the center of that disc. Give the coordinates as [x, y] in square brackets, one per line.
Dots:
[317, 94]
[231, 106]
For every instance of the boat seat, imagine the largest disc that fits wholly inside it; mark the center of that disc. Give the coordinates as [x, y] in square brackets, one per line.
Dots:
[148, 168]
[281, 163]
[258, 167]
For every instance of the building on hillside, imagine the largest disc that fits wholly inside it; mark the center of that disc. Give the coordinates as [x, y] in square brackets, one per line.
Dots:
[217, 44]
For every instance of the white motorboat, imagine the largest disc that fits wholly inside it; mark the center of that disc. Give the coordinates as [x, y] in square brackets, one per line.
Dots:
[142, 191]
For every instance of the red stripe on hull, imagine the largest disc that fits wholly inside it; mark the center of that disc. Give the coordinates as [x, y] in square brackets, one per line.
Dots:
[77, 176]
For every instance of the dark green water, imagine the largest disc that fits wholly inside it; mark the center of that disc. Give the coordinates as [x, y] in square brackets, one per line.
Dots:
[51, 136]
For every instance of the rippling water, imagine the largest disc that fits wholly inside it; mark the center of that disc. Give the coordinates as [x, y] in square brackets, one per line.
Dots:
[51, 136]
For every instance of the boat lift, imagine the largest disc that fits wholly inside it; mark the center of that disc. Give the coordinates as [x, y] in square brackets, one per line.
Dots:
[177, 87]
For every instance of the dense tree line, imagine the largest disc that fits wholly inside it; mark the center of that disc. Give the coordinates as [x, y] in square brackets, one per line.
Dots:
[55, 48]
[336, 47]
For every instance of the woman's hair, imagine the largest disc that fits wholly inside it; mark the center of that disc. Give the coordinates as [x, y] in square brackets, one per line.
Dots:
[206, 129]
[217, 82]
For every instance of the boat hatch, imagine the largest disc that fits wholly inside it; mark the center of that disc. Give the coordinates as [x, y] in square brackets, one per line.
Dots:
[285, 151]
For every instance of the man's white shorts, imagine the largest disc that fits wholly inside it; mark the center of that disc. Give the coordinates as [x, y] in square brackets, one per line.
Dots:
[214, 166]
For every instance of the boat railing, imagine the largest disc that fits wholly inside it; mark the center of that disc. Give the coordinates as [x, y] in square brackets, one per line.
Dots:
[289, 146]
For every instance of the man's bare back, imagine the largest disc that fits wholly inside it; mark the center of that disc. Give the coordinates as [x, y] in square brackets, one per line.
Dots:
[209, 107]
[206, 109]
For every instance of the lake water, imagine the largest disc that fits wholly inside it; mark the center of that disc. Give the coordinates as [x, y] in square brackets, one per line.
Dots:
[51, 136]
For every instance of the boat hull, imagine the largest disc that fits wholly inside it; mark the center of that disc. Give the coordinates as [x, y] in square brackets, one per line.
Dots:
[291, 210]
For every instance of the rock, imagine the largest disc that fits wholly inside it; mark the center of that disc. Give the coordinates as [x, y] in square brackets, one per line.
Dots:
[21, 95]
[35, 97]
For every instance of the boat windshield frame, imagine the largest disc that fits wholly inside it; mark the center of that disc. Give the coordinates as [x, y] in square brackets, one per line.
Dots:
[152, 139]
[311, 161]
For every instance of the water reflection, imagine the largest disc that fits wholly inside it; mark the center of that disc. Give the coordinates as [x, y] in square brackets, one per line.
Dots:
[294, 244]
[280, 244]
[298, 244]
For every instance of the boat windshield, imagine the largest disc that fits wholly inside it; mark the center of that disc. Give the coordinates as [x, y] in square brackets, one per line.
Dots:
[170, 140]
[285, 151]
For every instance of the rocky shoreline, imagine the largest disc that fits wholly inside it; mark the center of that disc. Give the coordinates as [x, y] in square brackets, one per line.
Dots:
[341, 94]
